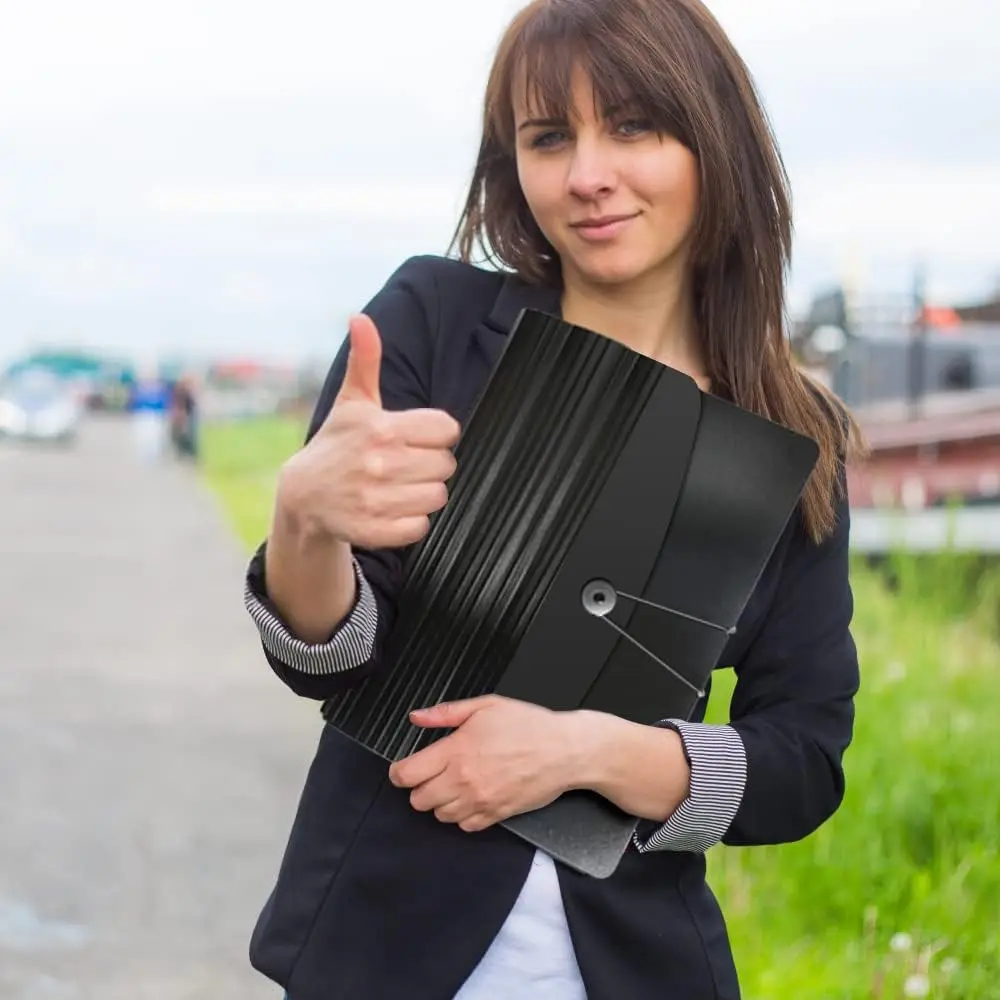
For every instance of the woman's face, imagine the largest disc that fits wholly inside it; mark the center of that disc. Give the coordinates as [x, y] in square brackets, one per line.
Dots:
[616, 200]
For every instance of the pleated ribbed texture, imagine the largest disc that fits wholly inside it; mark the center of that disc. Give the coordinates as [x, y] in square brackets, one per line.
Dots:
[543, 439]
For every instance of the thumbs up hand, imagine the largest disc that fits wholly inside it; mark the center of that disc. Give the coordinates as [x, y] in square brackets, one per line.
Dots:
[369, 476]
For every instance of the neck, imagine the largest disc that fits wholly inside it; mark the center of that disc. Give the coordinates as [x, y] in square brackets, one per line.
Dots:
[654, 317]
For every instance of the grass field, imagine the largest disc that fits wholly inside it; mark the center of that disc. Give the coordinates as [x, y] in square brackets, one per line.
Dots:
[899, 894]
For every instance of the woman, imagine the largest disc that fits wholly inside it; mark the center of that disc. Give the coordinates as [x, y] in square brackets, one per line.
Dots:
[626, 180]
[184, 418]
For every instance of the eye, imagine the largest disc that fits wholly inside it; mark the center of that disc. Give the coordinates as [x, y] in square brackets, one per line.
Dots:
[631, 127]
[546, 140]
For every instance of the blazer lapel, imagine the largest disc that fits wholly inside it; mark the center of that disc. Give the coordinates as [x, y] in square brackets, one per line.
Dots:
[515, 294]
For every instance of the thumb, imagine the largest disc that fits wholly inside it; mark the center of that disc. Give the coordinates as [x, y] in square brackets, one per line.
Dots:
[448, 714]
[364, 361]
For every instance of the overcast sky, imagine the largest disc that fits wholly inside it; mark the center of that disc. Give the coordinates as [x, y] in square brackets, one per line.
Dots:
[245, 174]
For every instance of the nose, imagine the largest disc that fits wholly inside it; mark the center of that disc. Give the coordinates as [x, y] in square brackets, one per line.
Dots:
[591, 169]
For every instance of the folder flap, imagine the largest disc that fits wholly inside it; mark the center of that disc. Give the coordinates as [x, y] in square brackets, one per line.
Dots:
[744, 481]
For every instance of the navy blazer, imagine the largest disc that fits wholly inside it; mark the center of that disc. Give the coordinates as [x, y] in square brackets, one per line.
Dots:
[376, 901]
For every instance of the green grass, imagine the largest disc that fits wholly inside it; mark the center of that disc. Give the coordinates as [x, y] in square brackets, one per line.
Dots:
[240, 461]
[915, 848]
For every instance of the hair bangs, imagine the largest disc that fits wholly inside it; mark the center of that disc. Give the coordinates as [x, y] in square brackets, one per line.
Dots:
[555, 40]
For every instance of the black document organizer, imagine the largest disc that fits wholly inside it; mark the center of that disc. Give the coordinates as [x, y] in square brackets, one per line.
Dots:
[606, 526]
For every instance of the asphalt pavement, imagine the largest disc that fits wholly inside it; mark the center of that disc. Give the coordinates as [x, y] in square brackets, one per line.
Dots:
[150, 762]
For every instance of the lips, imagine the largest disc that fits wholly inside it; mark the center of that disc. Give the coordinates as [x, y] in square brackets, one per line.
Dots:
[603, 229]
[601, 221]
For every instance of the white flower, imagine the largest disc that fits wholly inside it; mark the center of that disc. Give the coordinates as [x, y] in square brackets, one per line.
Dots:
[894, 672]
[901, 942]
[917, 986]
[962, 722]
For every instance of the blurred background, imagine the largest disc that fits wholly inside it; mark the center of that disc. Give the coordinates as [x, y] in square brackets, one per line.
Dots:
[193, 198]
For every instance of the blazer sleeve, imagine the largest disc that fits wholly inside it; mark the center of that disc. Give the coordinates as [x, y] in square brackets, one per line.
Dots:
[793, 705]
[405, 314]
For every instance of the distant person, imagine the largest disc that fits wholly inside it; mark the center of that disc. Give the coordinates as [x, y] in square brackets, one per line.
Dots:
[627, 181]
[149, 400]
[184, 419]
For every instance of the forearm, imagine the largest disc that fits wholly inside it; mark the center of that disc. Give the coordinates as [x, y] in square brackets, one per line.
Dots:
[310, 578]
[641, 769]
[799, 776]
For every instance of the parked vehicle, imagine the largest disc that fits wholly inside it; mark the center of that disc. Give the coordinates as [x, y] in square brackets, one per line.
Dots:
[37, 406]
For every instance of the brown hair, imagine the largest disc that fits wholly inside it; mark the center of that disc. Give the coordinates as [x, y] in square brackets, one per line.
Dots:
[672, 58]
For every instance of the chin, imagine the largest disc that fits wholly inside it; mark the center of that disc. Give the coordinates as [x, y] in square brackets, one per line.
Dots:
[611, 270]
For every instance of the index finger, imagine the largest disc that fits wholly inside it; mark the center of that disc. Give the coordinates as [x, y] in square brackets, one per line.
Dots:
[421, 766]
[426, 428]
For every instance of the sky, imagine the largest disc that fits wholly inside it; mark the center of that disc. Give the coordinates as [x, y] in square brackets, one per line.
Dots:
[238, 177]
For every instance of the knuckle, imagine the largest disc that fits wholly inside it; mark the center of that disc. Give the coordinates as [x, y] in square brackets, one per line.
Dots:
[373, 463]
[347, 417]
[380, 428]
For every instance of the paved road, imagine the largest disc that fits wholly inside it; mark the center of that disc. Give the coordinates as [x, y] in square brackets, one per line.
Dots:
[149, 761]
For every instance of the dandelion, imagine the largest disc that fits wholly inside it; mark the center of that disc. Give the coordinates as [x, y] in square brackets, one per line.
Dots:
[895, 671]
[962, 722]
[917, 986]
[901, 942]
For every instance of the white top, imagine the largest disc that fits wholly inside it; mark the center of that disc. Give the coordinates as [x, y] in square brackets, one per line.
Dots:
[532, 955]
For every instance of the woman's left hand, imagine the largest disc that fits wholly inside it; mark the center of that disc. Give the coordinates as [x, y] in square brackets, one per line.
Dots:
[505, 757]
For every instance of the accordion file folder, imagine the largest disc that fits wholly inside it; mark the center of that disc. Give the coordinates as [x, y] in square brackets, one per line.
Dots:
[606, 526]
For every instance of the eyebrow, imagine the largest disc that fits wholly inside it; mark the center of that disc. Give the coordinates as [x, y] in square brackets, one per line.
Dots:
[540, 122]
[610, 112]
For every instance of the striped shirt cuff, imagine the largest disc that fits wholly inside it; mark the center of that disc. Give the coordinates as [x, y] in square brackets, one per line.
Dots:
[349, 647]
[718, 777]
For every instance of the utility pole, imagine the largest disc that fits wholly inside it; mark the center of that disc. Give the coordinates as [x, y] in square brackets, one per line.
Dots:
[918, 344]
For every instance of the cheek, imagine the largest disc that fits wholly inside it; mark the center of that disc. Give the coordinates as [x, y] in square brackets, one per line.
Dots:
[669, 179]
